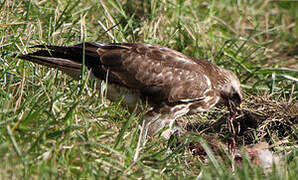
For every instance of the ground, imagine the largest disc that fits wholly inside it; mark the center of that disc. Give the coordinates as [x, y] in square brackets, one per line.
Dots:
[54, 127]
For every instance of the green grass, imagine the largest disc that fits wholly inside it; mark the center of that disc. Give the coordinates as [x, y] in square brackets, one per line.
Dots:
[54, 127]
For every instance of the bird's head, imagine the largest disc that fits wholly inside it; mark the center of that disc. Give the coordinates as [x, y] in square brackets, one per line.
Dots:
[231, 93]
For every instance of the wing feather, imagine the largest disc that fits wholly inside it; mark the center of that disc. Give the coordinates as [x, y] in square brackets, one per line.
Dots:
[160, 73]
[157, 71]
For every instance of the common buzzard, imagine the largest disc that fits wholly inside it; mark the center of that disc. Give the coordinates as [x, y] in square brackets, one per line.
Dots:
[172, 83]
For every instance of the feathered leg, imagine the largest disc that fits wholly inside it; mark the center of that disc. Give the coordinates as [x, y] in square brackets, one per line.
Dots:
[156, 120]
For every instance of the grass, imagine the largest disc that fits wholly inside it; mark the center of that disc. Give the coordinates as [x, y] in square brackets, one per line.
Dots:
[54, 127]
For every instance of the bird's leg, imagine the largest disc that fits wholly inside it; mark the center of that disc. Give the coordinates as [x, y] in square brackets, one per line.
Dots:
[174, 133]
[174, 113]
[166, 116]
[154, 123]
[157, 120]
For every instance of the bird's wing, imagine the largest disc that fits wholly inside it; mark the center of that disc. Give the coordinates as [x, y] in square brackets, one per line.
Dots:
[160, 73]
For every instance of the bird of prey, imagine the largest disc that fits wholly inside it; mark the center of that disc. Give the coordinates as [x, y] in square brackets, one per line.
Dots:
[172, 83]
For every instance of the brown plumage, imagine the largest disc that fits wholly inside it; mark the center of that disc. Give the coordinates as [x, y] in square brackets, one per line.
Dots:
[174, 84]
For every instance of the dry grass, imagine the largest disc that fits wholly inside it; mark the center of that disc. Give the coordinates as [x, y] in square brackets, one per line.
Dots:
[262, 119]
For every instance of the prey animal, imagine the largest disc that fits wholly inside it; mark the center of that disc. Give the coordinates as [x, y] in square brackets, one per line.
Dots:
[172, 83]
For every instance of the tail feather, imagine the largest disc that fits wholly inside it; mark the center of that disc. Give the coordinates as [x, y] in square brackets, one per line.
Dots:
[69, 59]
[69, 67]
[74, 53]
